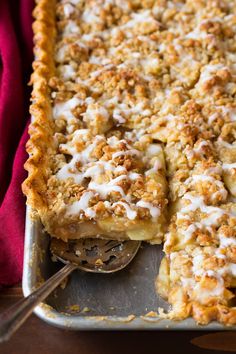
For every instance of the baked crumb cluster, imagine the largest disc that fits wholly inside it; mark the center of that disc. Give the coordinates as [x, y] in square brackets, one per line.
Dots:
[144, 91]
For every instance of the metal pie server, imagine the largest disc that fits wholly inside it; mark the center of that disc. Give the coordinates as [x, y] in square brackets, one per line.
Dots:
[90, 255]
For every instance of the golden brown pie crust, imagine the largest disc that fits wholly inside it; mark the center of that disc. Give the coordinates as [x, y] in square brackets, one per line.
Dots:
[34, 187]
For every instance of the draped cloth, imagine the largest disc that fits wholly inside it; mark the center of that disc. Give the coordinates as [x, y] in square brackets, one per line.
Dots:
[15, 67]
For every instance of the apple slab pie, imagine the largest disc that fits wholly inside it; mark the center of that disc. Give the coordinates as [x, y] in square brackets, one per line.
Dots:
[133, 137]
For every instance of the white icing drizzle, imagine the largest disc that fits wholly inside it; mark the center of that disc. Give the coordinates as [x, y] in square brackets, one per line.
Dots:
[198, 149]
[91, 16]
[82, 205]
[208, 72]
[64, 109]
[154, 211]
[154, 150]
[67, 72]
[71, 29]
[226, 241]
[138, 19]
[99, 60]
[68, 10]
[229, 166]
[226, 144]
[197, 264]
[213, 117]
[204, 178]
[158, 165]
[131, 214]
[122, 111]
[202, 294]
[100, 167]
[188, 233]
[224, 111]
[197, 202]
[124, 153]
[133, 176]
[198, 34]
[75, 2]
[232, 269]
[93, 111]
[104, 189]
[69, 169]
[100, 71]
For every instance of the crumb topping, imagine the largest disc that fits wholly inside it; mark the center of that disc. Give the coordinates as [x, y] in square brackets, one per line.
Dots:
[143, 97]
[104, 101]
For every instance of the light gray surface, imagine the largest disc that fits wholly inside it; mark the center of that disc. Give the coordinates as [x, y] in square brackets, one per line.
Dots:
[112, 296]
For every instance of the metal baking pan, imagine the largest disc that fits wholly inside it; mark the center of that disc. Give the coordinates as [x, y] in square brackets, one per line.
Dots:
[118, 301]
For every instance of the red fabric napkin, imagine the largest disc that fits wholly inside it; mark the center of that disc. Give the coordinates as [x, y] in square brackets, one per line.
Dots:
[15, 63]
